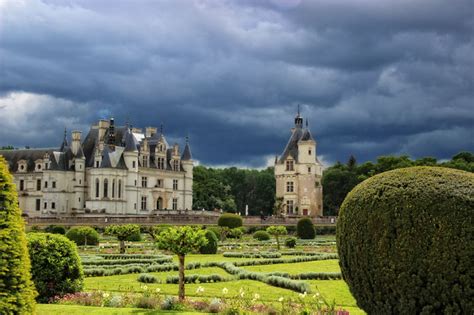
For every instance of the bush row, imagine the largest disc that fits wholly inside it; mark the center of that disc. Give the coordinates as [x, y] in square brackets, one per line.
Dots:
[198, 279]
[104, 262]
[148, 278]
[105, 271]
[317, 276]
[252, 255]
[131, 256]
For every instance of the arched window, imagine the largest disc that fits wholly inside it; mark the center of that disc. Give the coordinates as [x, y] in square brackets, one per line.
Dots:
[106, 188]
[120, 188]
[159, 203]
[113, 188]
[97, 185]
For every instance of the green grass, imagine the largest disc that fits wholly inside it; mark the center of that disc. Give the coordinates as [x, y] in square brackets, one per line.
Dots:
[296, 268]
[56, 309]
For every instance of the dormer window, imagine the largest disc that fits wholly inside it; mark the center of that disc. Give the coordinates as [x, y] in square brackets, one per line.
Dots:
[22, 166]
[290, 165]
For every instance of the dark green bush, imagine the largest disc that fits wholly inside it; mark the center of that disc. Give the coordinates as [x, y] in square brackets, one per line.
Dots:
[211, 246]
[235, 233]
[261, 236]
[406, 242]
[55, 265]
[290, 242]
[135, 237]
[55, 229]
[17, 292]
[305, 229]
[326, 230]
[83, 235]
[230, 220]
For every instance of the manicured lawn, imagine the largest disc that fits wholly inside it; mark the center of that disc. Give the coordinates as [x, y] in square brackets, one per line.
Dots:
[334, 289]
[296, 268]
[56, 309]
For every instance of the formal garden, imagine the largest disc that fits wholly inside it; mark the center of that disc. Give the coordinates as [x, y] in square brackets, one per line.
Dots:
[404, 244]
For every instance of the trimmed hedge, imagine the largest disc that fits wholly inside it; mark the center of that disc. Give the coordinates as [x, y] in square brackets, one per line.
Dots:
[252, 255]
[230, 220]
[261, 236]
[17, 292]
[147, 278]
[290, 242]
[211, 246]
[55, 265]
[198, 279]
[406, 242]
[83, 235]
[305, 229]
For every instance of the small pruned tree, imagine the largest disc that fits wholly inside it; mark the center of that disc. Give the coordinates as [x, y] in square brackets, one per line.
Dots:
[182, 241]
[122, 232]
[277, 231]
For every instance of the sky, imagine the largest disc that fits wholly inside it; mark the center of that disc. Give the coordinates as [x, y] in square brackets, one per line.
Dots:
[372, 77]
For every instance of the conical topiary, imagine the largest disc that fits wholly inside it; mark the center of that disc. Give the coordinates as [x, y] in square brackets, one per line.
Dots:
[17, 291]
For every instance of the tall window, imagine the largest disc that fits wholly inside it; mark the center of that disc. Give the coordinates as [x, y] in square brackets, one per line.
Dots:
[22, 184]
[38, 184]
[106, 188]
[161, 163]
[309, 169]
[290, 207]
[175, 184]
[159, 183]
[38, 204]
[176, 165]
[97, 187]
[53, 205]
[45, 184]
[113, 188]
[133, 164]
[143, 206]
[45, 206]
[145, 161]
[175, 203]
[120, 188]
[54, 184]
[310, 151]
[144, 181]
[289, 165]
[289, 187]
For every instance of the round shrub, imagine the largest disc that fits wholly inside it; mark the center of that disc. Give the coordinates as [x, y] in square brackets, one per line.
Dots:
[406, 243]
[261, 236]
[17, 292]
[305, 229]
[55, 265]
[230, 220]
[211, 246]
[55, 229]
[147, 278]
[135, 237]
[290, 242]
[83, 235]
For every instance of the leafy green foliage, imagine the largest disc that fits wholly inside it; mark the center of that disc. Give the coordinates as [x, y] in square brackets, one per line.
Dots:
[83, 235]
[406, 242]
[211, 246]
[261, 236]
[290, 242]
[235, 233]
[339, 179]
[17, 292]
[231, 189]
[305, 229]
[230, 220]
[55, 229]
[122, 233]
[55, 265]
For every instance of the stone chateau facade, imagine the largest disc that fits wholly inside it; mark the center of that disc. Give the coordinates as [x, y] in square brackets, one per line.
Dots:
[113, 171]
[298, 174]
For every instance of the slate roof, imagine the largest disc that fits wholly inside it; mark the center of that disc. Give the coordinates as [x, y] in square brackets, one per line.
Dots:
[298, 134]
[186, 153]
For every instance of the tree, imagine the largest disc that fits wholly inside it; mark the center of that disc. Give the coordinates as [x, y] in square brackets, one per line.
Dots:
[83, 235]
[17, 292]
[230, 220]
[351, 163]
[122, 232]
[55, 265]
[277, 231]
[278, 206]
[305, 229]
[405, 242]
[182, 241]
[212, 243]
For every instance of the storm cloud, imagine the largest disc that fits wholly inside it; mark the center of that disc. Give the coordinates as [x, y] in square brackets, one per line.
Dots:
[372, 77]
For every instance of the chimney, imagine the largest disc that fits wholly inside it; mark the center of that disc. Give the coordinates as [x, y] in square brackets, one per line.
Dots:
[76, 141]
[150, 132]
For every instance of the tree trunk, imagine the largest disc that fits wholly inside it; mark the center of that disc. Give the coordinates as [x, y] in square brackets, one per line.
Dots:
[278, 242]
[85, 241]
[122, 247]
[181, 278]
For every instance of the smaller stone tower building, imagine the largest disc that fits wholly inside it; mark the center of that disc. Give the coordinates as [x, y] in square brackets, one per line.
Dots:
[298, 174]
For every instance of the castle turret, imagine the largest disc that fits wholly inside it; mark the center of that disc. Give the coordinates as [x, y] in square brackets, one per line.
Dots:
[187, 165]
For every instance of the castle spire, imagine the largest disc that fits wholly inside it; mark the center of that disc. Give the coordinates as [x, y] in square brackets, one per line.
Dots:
[298, 119]
[64, 145]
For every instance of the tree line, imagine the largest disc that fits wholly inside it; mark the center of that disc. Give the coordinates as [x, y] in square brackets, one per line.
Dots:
[231, 189]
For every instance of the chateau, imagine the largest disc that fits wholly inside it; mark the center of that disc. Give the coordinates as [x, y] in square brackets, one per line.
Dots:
[298, 174]
[113, 171]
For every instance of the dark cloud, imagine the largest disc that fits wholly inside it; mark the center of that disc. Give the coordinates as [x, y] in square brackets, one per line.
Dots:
[374, 77]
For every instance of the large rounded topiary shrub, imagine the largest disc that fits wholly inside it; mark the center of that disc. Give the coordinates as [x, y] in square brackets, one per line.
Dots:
[55, 265]
[261, 236]
[83, 235]
[230, 220]
[305, 229]
[17, 292]
[406, 242]
[211, 246]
